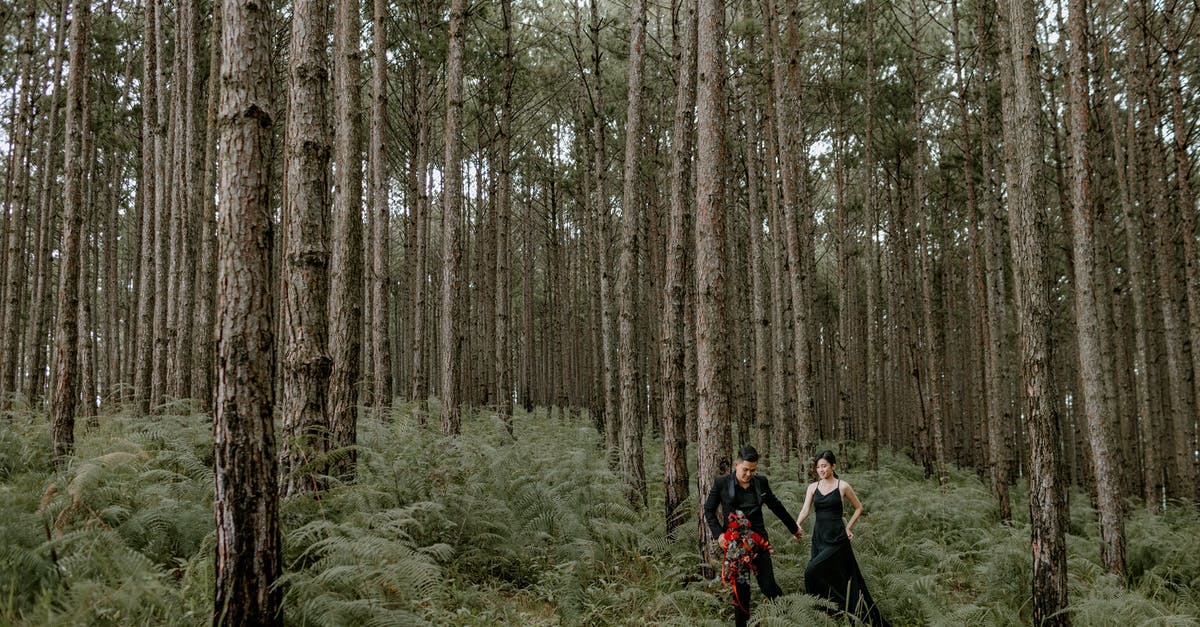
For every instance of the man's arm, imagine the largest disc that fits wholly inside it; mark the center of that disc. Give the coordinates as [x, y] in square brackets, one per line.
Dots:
[768, 498]
[710, 509]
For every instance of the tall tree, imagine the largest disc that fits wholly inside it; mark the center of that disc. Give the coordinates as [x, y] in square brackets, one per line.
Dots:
[712, 419]
[674, 420]
[1097, 415]
[17, 208]
[451, 214]
[146, 290]
[501, 349]
[631, 419]
[380, 310]
[1027, 216]
[66, 336]
[249, 557]
[306, 363]
[346, 259]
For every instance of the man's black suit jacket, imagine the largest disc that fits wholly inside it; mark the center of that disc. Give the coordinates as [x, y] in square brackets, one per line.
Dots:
[722, 493]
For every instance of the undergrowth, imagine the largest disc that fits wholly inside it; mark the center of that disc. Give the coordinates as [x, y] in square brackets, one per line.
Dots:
[484, 529]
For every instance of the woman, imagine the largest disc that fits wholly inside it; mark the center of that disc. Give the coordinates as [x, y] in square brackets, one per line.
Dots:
[833, 572]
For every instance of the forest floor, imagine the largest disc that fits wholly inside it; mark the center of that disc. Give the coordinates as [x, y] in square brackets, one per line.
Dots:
[484, 529]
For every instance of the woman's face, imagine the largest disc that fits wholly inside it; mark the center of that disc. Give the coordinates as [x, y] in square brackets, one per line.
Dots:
[824, 469]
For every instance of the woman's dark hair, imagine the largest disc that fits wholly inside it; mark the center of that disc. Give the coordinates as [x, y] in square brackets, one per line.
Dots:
[828, 456]
[747, 454]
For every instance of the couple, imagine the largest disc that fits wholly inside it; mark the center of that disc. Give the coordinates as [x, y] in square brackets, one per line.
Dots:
[832, 572]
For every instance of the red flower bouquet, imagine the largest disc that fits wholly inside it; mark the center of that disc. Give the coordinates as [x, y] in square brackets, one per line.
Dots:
[742, 545]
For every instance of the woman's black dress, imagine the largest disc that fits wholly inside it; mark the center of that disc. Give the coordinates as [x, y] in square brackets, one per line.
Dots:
[833, 572]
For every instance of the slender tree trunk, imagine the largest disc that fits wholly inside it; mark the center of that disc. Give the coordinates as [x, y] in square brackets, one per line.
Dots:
[1027, 224]
[602, 207]
[185, 214]
[1181, 127]
[161, 213]
[875, 388]
[66, 336]
[345, 288]
[249, 557]
[996, 355]
[451, 216]
[674, 429]
[381, 311]
[712, 419]
[306, 362]
[147, 294]
[17, 208]
[1150, 460]
[1087, 319]
[500, 349]
[205, 333]
[787, 122]
[632, 418]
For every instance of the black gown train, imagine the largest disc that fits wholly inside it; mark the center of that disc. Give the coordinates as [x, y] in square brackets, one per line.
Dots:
[833, 572]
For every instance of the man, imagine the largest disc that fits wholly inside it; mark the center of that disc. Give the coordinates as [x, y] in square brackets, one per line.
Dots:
[743, 490]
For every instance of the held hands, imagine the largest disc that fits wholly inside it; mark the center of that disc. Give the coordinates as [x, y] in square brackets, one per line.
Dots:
[722, 541]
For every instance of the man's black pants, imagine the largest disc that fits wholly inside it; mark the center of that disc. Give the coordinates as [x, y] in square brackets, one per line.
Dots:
[766, 583]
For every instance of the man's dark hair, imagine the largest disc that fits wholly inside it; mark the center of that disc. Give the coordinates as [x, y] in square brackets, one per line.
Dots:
[747, 454]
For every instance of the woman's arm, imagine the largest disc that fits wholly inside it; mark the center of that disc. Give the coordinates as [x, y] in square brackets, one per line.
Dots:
[848, 493]
[808, 496]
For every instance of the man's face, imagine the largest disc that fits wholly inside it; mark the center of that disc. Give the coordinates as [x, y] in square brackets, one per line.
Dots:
[745, 471]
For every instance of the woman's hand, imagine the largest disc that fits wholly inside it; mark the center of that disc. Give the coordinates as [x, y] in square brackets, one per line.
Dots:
[849, 535]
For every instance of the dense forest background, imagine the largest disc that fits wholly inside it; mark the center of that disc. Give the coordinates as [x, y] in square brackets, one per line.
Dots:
[963, 235]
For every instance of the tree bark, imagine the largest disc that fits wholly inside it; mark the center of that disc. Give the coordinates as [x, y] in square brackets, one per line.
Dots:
[1027, 223]
[501, 350]
[451, 215]
[249, 558]
[346, 259]
[1087, 319]
[712, 419]
[143, 374]
[381, 357]
[306, 362]
[17, 208]
[66, 336]
[631, 418]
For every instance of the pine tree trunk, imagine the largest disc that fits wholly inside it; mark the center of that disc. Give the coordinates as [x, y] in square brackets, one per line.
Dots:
[162, 216]
[249, 558]
[451, 216]
[1028, 233]
[631, 418]
[66, 336]
[17, 208]
[674, 420]
[205, 333]
[147, 292]
[786, 94]
[603, 209]
[1180, 481]
[36, 341]
[1087, 319]
[1150, 459]
[381, 310]
[346, 259]
[500, 349]
[995, 301]
[1181, 126]
[712, 419]
[875, 388]
[306, 361]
